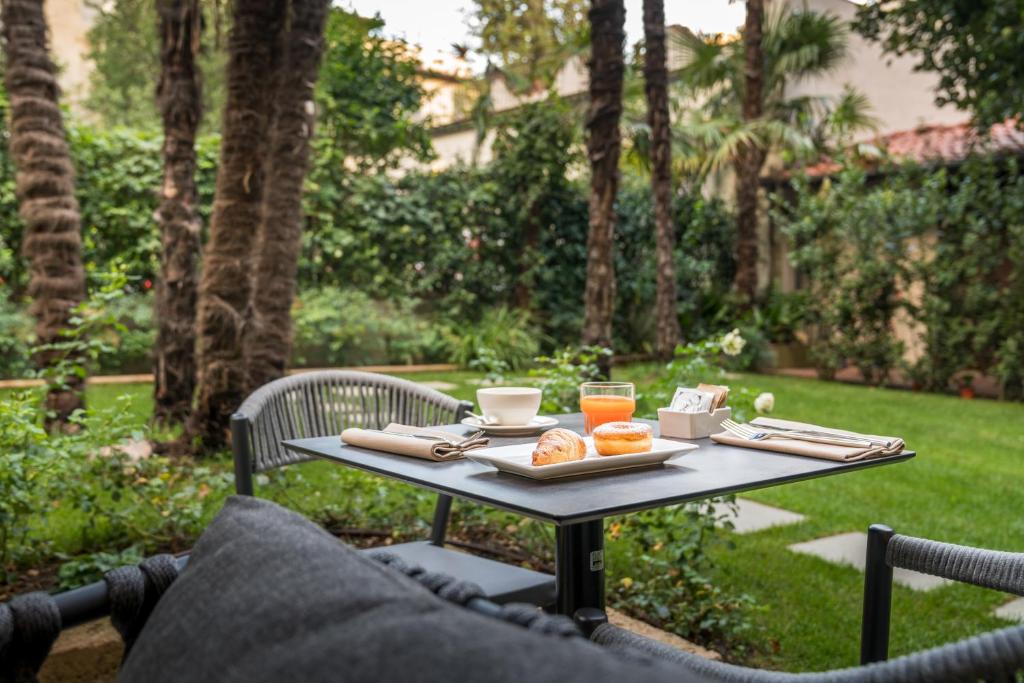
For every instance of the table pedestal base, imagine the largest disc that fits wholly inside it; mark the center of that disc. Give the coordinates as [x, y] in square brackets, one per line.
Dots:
[579, 562]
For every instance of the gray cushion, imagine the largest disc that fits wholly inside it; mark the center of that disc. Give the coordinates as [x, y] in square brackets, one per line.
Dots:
[269, 596]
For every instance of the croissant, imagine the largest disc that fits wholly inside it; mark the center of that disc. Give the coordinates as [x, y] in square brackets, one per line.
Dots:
[558, 445]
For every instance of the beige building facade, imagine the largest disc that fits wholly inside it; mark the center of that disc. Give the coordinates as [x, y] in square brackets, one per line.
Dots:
[69, 22]
[901, 98]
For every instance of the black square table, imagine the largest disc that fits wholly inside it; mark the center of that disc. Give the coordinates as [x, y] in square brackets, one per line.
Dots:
[578, 505]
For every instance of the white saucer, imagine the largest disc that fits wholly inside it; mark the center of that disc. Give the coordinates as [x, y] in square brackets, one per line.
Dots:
[534, 426]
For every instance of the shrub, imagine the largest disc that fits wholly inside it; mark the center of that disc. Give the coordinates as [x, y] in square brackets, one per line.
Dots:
[28, 463]
[501, 334]
[559, 376]
[346, 327]
[853, 244]
[972, 310]
[15, 337]
[940, 249]
[668, 582]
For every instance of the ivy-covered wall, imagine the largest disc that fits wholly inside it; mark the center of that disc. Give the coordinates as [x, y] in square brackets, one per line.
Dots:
[941, 250]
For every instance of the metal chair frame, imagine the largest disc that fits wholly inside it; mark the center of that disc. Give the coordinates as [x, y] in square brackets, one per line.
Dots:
[887, 550]
[325, 402]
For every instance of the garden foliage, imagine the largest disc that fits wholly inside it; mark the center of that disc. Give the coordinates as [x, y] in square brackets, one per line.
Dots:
[940, 250]
[403, 258]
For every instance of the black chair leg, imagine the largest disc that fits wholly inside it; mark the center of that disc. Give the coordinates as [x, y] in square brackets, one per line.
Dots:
[874, 636]
[241, 449]
[442, 511]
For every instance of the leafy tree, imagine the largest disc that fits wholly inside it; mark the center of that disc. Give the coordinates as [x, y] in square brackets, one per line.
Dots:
[529, 39]
[368, 95]
[533, 149]
[975, 48]
[125, 51]
[727, 129]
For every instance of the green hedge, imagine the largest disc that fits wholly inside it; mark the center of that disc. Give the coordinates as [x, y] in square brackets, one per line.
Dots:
[435, 249]
[942, 250]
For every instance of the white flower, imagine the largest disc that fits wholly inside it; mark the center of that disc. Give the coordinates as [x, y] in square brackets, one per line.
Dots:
[764, 403]
[733, 343]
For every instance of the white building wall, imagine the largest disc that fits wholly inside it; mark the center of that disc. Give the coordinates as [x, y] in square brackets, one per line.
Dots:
[901, 98]
[69, 22]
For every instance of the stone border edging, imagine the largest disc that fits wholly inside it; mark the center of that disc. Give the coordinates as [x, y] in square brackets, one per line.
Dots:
[148, 378]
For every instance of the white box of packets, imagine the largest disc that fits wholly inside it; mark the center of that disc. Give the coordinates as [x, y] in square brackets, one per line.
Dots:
[695, 413]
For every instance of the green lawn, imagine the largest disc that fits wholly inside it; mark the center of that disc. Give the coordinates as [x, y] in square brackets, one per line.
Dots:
[964, 487]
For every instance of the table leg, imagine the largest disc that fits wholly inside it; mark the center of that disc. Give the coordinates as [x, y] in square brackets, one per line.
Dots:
[579, 566]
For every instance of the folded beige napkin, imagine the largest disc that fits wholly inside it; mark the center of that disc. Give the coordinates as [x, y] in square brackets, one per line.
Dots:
[417, 442]
[882, 445]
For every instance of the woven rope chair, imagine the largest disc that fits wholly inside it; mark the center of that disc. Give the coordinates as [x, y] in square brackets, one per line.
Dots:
[326, 402]
[888, 550]
[994, 656]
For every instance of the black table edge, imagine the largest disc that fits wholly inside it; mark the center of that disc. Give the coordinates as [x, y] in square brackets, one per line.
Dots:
[563, 520]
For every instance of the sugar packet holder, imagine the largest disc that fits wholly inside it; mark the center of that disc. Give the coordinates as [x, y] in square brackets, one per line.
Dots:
[695, 413]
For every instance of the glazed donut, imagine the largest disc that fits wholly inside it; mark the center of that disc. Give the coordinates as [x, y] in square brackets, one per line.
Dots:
[619, 438]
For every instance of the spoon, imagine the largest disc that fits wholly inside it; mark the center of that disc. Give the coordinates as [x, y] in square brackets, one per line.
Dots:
[483, 420]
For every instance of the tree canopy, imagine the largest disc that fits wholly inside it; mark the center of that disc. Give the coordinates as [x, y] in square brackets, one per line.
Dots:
[797, 44]
[529, 39]
[368, 93]
[125, 50]
[974, 46]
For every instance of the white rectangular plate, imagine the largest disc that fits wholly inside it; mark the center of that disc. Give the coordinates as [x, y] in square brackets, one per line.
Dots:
[516, 459]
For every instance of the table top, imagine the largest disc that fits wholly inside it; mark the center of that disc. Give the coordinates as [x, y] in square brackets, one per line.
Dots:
[711, 470]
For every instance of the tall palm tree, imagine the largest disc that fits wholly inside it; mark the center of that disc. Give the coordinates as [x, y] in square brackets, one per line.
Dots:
[751, 156]
[656, 86]
[45, 185]
[268, 342]
[604, 144]
[225, 289]
[179, 97]
[740, 114]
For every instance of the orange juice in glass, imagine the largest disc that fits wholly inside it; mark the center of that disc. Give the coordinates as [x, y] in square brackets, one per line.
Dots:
[603, 402]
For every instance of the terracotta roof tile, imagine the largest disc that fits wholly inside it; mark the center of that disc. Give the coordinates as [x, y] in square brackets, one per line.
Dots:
[946, 144]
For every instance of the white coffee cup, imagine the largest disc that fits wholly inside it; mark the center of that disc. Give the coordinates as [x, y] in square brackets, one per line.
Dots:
[509, 405]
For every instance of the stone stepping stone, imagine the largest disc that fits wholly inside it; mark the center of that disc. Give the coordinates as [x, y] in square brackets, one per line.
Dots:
[1011, 611]
[439, 385]
[849, 549]
[751, 516]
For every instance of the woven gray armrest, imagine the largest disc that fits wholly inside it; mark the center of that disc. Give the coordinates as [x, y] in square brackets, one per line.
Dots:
[987, 568]
[997, 655]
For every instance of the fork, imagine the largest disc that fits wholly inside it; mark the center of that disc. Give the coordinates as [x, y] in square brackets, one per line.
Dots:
[875, 441]
[752, 433]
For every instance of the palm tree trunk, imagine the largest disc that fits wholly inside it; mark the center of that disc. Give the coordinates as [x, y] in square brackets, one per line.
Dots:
[45, 185]
[604, 142]
[226, 285]
[656, 86]
[751, 158]
[268, 343]
[179, 97]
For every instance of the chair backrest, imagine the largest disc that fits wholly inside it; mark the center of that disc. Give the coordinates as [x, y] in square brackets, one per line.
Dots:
[326, 402]
[887, 550]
